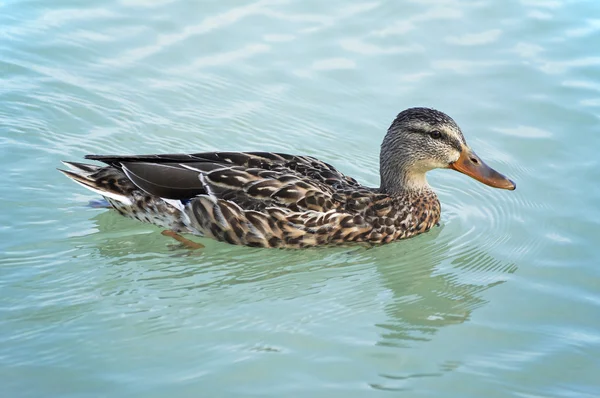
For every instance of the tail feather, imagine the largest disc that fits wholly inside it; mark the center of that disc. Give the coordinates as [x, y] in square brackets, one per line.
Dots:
[90, 183]
[81, 167]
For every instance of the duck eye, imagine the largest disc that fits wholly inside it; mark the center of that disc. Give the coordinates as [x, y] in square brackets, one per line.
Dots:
[435, 134]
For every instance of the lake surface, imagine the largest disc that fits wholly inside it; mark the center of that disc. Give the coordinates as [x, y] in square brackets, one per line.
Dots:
[502, 300]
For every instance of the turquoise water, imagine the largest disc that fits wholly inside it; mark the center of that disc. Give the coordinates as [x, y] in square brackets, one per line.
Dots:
[502, 300]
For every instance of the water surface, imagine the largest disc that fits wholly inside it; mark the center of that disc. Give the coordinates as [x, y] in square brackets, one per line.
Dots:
[502, 300]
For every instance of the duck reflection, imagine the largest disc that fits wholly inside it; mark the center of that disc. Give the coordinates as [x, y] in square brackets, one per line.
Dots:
[429, 283]
[424, 296]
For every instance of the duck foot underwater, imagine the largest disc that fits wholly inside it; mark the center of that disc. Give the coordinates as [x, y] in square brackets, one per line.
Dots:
[265, 199]
[190, 244]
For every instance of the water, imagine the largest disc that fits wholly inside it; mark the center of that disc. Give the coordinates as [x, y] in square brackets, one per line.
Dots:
[501, 301]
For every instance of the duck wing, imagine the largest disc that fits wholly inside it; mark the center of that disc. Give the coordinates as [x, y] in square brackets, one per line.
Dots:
[253, 180]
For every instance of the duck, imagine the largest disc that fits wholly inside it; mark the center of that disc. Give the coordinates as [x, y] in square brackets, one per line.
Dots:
[277, 200]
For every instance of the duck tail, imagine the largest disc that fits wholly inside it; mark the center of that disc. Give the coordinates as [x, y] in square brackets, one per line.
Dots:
[81, 167]
[102, 180]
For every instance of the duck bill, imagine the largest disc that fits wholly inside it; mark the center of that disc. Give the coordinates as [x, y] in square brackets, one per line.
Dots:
[470, 164]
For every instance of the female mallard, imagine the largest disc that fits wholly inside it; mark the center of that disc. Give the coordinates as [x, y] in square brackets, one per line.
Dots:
[278, 200]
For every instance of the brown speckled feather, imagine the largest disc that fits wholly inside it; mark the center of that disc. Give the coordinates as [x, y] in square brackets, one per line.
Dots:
[257, 199]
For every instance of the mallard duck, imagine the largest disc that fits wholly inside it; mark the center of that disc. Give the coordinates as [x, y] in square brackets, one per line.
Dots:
[268, 199]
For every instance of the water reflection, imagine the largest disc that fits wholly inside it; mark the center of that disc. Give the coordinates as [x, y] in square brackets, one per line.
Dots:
[432, 286]
[425, 298]
[426, 283]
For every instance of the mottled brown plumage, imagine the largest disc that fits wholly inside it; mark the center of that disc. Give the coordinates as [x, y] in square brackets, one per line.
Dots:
[268, 199]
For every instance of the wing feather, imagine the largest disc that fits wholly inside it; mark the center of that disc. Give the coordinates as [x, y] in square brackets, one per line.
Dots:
[252, 180]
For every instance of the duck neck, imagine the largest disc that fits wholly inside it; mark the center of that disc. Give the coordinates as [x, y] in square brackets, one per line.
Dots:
[399, 175]
[402, 183]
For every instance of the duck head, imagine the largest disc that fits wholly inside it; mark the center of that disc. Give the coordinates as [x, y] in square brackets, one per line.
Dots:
[423, 139]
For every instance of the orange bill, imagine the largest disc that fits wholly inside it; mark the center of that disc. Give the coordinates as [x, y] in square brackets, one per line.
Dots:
[470, 164]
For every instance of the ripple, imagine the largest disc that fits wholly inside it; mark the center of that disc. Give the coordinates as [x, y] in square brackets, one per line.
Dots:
[463, 66]
[505, 287]
[334, 64]
[361, 47]
[528, 50]
[146, 3]
[279, 38]
[476, 39]
[592, 26]
[65, 15]
[225, 58]
[525, 132]
[561, 67]
[499, 227]
[207, 25]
